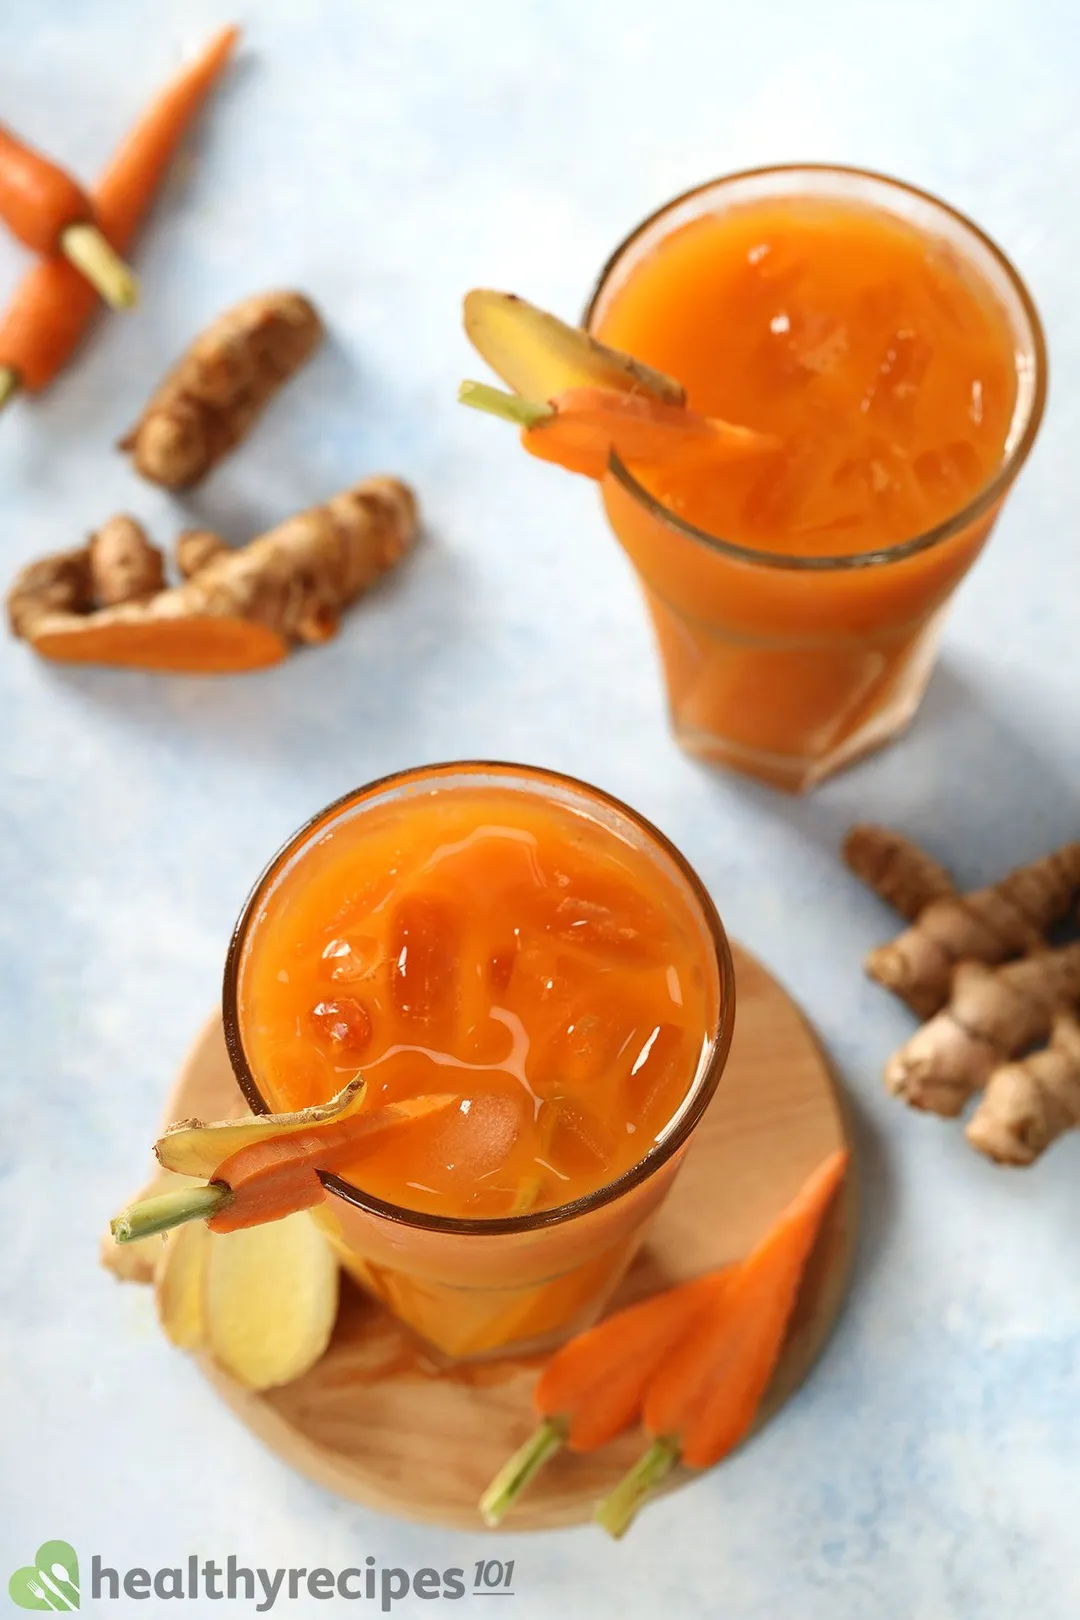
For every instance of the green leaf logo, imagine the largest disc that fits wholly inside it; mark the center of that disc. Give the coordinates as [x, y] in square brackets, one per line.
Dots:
[50, 1582]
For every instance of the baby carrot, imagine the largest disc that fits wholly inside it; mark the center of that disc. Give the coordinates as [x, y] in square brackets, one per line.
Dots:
[706, 1394]
[50, 212]
[53, 304]
[592, 1388]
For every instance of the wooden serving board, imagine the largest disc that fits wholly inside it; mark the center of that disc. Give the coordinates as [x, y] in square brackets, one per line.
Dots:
[379, 1422]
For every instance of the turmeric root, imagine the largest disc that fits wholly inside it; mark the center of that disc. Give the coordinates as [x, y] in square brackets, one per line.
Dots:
[905, 876]
[993, 1013]
[987, 925]
[194, 548]
[241, 609]
[219, 387]
[1028, 1105]
[56, 587]
[124, 565]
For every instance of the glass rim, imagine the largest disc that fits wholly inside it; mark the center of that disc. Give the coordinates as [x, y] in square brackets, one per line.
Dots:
[980, 503]
[658, 1155]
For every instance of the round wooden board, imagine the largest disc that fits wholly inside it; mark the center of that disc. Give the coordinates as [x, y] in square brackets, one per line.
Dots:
[378, 1422]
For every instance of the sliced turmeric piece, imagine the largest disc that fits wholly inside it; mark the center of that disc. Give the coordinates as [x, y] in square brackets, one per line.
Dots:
[592, 1388]
[241, 610]
[216, 392]
[538, 355]
[704, 1397]
[269, 1300]
[579, 428]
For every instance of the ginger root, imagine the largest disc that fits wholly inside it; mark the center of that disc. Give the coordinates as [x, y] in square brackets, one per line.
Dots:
[240, 609]
[269, 1300]
[993, 1014]
[988, 925]
[178, 1279]
[1028, 1105]
[538, 355]
[260, 1304]
[215, 393]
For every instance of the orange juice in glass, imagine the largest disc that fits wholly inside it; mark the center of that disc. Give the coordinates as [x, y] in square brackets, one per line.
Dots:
[898, 359]
[532, 952]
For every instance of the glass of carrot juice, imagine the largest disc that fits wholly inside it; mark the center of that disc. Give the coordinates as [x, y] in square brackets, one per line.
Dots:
[541, 960]
[896, 356]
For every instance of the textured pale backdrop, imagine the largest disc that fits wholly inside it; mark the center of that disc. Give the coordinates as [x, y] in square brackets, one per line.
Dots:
[385, 157]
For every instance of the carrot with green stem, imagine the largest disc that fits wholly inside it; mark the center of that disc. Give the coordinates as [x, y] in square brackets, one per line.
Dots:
[50, 212]
[266, 1168]
[706, 1394]
[53, 304]
[579, 428]
[592, 1388]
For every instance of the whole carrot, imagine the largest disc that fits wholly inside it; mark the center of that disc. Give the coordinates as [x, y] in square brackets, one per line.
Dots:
[592, 1389]
[51, 213]
[706, 1394]
[52, 306]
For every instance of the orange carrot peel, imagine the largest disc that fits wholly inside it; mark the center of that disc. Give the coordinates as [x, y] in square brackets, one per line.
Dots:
[264, 1168]
[705, 1396]
[581, 428]
[53, 304]
[593, 1387]
[50, 212]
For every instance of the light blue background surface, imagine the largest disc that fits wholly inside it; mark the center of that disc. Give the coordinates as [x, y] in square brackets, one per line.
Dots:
[385, 157]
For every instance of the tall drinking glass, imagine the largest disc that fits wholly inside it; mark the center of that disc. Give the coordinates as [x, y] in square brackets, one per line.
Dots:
[491, 934]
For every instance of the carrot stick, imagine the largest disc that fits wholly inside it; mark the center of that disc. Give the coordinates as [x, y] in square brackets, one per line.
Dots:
[580, 427]
[53, 304]
[265, 1181]
[589, 423]
[50, 212]
[269, 1180]
[705, 1396]
[592, 1388]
